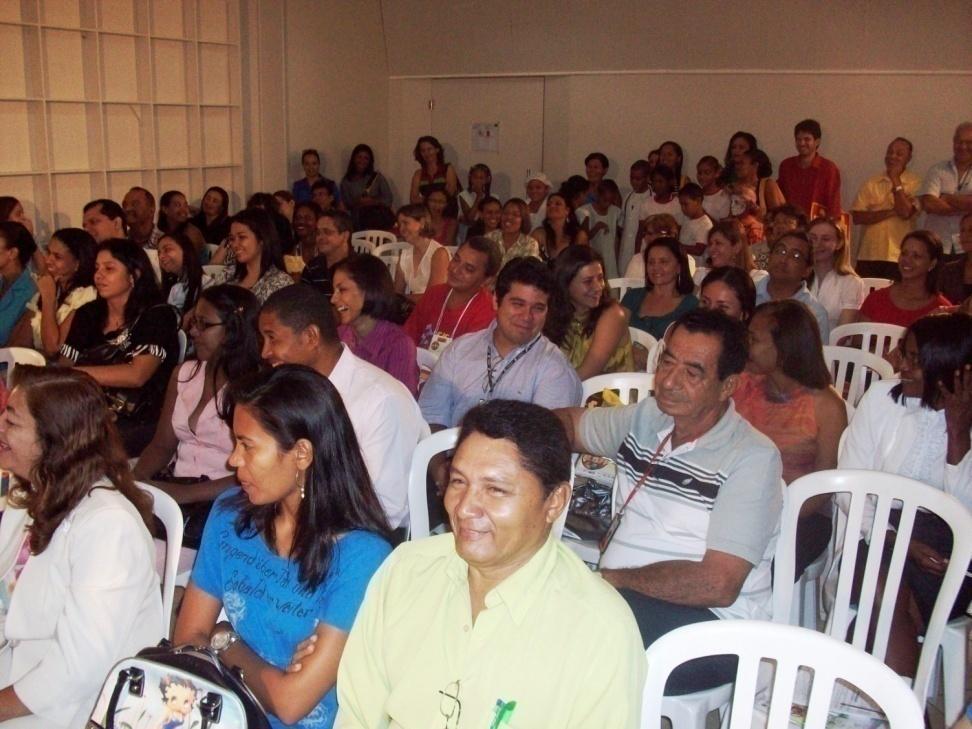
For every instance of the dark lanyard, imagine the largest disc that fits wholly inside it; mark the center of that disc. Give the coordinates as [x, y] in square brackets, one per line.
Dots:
[616, 519]
[492, 384]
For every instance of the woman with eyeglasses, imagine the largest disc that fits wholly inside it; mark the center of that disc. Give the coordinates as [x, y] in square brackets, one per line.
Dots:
[187, 455]
[915, 293]
[289, 554]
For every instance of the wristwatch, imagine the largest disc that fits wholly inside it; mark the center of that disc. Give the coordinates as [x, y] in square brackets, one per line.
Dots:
[221, 640]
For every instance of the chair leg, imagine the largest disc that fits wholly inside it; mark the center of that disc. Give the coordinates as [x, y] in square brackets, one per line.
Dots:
[954, 644]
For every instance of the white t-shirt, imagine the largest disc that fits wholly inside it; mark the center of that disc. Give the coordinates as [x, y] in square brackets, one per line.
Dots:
[717, 204]
[696, 231]
[629, 219]
[836, 293]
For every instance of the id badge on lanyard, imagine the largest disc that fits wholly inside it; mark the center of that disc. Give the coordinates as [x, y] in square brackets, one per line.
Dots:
[439, 341]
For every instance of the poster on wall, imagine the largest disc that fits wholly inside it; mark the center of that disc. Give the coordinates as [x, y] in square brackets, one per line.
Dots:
[485, 137]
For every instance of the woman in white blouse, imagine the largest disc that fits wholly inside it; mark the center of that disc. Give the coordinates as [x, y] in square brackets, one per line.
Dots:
[835, 284]
[920, 427]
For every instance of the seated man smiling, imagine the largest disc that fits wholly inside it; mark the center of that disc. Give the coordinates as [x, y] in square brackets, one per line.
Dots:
[496, 621]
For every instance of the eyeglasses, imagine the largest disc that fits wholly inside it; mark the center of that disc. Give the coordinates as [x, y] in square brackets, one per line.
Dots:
[450, 706]
[784, 252]
[200, 325]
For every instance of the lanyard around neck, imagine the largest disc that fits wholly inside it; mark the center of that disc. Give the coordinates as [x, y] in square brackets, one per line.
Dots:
[492, 384]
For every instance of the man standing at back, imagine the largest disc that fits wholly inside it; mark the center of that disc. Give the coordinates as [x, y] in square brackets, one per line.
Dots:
[886, 208]
[808, 177]
[298, 327]
[946, 193]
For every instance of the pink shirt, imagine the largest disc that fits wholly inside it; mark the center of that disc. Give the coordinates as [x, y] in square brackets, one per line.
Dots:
[203, 453]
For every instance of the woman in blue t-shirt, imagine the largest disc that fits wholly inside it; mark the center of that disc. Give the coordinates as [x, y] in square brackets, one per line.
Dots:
[289, 554]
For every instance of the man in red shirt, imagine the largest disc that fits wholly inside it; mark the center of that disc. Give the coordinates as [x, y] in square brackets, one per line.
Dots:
[809, 178]
[463, 304]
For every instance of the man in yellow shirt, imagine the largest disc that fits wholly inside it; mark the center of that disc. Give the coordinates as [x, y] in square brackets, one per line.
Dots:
[885, 208]
[497, 623]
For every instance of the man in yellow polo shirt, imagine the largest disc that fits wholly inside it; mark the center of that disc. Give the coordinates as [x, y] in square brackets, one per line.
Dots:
[496, 624]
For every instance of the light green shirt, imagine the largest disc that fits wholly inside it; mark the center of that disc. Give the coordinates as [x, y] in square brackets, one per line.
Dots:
[553, 637]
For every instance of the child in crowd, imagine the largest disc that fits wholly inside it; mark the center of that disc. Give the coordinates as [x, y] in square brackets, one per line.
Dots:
[631, 209]
[778, 222]
[664, 199]
[443, 224]
[695, 229]
[595, 167]
[490, 213]
[745, 209]
[477, 189]
[537, 188]
[600, 222]
[715, 198]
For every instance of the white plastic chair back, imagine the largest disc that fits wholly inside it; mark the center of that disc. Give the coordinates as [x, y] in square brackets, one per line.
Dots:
[643, 338]
[855, 489]
[853, 370]
[374, 237]
[218, 272]
[875, 338]
[12, 356]
[418, 506]
[169, 513]
[619, 286]
[390, 253]
[790, 648]
[654, 355]
[874, 284]
[626, 383]
[183, 345]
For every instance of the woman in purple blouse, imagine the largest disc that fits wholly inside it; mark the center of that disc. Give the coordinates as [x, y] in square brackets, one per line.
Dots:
[365, 301]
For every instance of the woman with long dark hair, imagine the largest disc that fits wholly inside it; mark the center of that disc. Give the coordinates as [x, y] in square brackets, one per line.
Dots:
[126, 339]
[66, 285]
[786, 394]
[212, 220]
[362, 185]
[187, 455]
[593, 330]
[290, 553]
[182, 275]
[433, 170]
[174, 217]
[256, 248]
[560, 228]
[75, 541]
[367, 309]
[667, 293]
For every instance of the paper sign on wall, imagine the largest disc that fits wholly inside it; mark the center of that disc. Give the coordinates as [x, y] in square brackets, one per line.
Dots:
[485, 137]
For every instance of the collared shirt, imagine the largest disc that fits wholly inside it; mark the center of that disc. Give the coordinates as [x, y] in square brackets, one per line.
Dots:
[553, 637]
[804, 296]
[152, 242]
[838, 291]
[721, 492]
[459, 381]
[818, 183]
[525, 246]
[944, 178]
[388, 425]
[882, 241]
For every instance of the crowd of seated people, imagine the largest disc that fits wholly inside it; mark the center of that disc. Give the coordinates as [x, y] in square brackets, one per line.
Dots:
[277, 397]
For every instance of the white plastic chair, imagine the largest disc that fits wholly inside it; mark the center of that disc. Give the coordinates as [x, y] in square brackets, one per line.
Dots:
[642, 338]
[13, 356]
[855, 488]
[183, 345]
[875, 284]
[374, 238]
[955, 643]
[789, 648]
[853, 370]
[418, 505]
[641, 383]
[621, 285]
[169, 513]
[218, 272]
[390, 253]
[875, 338]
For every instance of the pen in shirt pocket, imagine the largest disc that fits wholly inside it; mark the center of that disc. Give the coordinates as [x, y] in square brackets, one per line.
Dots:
[502, 713]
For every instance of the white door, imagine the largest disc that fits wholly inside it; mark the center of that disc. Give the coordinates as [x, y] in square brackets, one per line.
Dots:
[514, 104]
